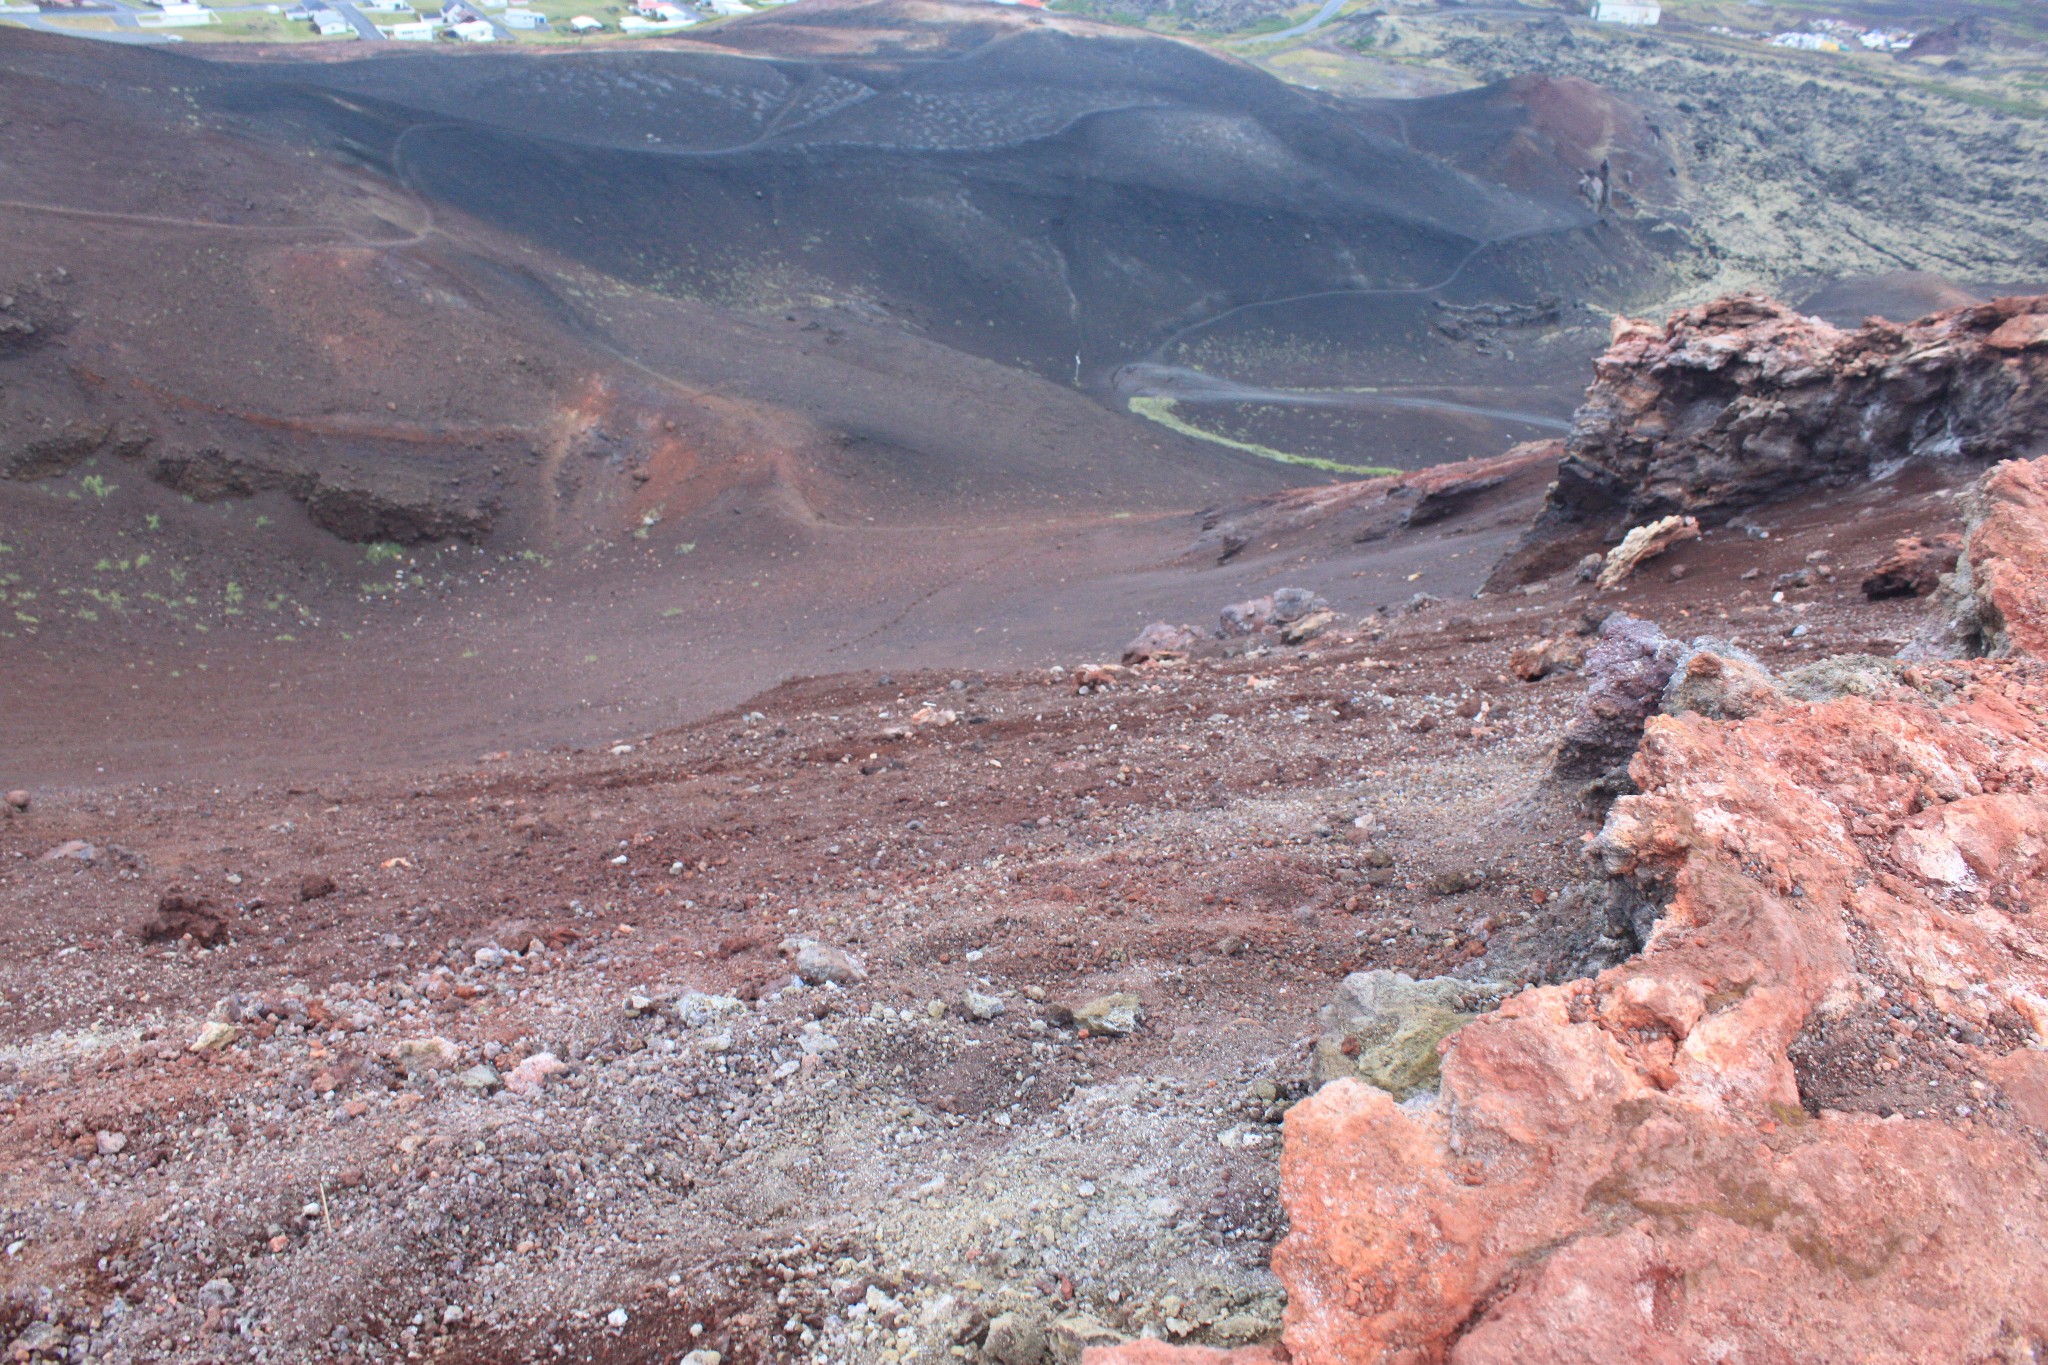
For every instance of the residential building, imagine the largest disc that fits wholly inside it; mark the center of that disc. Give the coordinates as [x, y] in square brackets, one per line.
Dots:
[583, 23]
[1637, 13]
[525, 19]
[177, 15]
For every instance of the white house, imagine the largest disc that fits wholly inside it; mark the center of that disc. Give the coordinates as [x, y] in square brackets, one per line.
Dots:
[583, 23]
[727, 7]
[633, 23]
[178, 16]
[525, 18]
[474, 31]
[1638, 13]
[328, 24]
[419, 31]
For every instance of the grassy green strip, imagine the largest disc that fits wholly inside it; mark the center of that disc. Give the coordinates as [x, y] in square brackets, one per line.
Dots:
[1160, 410]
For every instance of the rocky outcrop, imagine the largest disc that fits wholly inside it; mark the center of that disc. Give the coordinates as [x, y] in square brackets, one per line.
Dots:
[1161, 641]
[1626, 673]
[1743, 400]
[48, 452]
[1809, 1120]
[1275, 611]
[1333, 516]
[352, 513]
[1541, 658]
[1994, 604]
[1913, 568]
[364, 515]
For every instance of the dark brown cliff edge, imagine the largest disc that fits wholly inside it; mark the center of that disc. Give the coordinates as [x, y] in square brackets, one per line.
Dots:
[1743, 400]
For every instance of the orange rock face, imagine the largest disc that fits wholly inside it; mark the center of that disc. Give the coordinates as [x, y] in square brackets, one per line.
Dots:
[1809, 1122]
[2009, 558]
[1629, 1168]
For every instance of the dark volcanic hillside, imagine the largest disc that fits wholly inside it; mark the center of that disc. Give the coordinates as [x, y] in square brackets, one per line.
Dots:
[777, 339]
[1046, 199]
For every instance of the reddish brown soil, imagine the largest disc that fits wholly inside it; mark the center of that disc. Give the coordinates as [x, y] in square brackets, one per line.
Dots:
[1191, 834]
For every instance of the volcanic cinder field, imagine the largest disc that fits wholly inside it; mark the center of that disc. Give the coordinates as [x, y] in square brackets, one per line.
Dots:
[573, 787]
[813, 347]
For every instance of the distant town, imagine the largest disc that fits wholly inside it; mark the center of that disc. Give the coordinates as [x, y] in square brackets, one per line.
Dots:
[416, 21]
[1822, 35]
[492, 21]
[404, 21]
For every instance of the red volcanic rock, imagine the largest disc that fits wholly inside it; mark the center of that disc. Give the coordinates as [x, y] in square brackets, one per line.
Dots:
[2020, 332]
[179, 913]
[1913, 568]
[1744, 399]
[1541, 658]
[1367, 509]
[1808, 1122]
[1163, 640]
[2006, 583]
[1159, 1353]
[1623, 1168]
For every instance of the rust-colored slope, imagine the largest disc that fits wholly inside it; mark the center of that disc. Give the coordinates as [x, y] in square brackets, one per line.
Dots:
[1805, 1123]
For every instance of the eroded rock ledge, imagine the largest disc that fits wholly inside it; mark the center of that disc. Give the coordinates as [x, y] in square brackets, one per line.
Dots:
[1808, 1121]
[1743, 400]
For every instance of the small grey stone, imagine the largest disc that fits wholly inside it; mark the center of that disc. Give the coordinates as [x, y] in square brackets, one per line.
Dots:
[820, 963]
[1014, 1339]
[1074, 1333]
[481, 1077]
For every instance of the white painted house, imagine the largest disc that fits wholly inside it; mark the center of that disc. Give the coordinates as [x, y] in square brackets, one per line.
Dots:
[178, 16]
[1637, 13]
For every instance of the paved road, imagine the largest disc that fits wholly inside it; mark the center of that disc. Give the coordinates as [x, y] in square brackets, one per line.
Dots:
[357, 20]
[1321, 17]
[119, 35]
